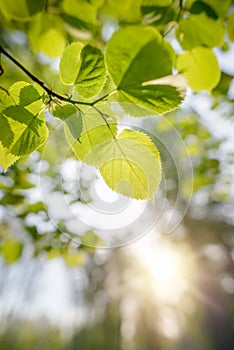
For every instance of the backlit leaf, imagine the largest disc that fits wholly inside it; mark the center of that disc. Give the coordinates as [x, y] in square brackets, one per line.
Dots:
[200, 67]
[96, 132]
[23, 9]
[128, 11]
[72, 118]
[70, 63]
[6, 158]
[92, 73]
[200, 30]
[22, 126]
[137, 54]
[84, 10]
[47, 34]
[11, 250]
[28, 131]
[52, 42]
[160, 95]
[84, 67]
[136, 57]
[130, 165]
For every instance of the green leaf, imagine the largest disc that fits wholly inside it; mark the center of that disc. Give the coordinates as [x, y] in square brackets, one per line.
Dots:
[52, 42]
[47, 34]
[128, 11]
[28, 131]
[84, 10]
[160, 95]
[92, 73]
[75, 258]
[23, 10]
[136, 57]
[64, 111]
[11, 250]
[91, 239]
[70, 63]
[6, 158]
[84, 67]
[223, 85]
[137, 54]
[96, 132]
[199, 7]
[219, 6]
[200, 67]
[230, 26]
[22, 126]
[159, 3]
[130, 165]
[72, 117]
[200, 30]
[23, 94]
[5, 99]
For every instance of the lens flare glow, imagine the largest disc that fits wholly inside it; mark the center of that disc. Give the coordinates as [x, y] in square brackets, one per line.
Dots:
[167, 273]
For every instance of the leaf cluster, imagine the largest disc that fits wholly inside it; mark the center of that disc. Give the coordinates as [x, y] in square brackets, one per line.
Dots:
[137, 67]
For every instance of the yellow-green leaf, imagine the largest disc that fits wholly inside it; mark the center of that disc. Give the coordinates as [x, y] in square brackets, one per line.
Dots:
[70, 63]
[137, 54]
[200, 67]
[97, 130]
[22, 9]
[11, 250]
[92, 73]
[6, 158]
[130, 165]
[22, 125]
[200, 30]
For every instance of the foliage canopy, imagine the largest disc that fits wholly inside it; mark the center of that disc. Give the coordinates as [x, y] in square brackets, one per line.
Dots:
[78, 59]
[134, 66]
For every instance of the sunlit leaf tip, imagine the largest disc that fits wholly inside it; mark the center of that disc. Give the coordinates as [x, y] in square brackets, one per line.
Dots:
[131, 165]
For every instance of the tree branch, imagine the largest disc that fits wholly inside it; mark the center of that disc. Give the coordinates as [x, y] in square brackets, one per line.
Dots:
[50, 92]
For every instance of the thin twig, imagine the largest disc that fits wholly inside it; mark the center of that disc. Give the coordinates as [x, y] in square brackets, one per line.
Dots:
[50, 92]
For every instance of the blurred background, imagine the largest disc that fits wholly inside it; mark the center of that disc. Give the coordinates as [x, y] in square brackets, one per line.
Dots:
[82, 267]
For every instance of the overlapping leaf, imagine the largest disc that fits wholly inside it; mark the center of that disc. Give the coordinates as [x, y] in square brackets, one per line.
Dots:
[22, 125]
[92, 73]
[130, 165]
[83, 67]
[98, 128]
[70, 63]
[72, 117]
[136, 57]
[160, 95]
[129, 162]
[23, 10]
